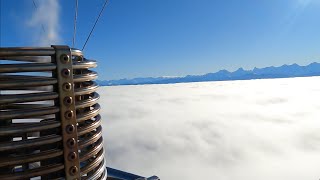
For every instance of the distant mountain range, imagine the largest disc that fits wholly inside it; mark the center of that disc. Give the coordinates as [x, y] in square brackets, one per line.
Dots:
[284, 71]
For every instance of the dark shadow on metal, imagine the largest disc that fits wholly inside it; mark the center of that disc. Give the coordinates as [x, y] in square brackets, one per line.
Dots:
[114, 174]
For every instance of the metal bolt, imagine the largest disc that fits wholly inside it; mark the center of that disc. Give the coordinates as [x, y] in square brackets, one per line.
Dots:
[68, 114]
[67, 101]
[73, 170]
[78, 58]
[72, 156]
[66, 72]
[66, 86]
[71, 143]
[64, 58]
[70, 128]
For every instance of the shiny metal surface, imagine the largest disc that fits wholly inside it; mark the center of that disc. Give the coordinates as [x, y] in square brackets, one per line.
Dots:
[34, 115]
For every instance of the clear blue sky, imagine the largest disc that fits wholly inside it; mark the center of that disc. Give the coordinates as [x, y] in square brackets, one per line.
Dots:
[143, 38]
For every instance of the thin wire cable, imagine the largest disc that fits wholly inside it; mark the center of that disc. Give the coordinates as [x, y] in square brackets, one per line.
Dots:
[75, 25]
[105, 3]
[36, 8]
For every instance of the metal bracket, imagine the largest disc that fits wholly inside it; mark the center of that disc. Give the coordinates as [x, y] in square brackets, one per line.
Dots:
[64, 73]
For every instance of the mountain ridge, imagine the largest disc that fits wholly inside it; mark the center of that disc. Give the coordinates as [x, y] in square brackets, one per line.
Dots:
[284, 71]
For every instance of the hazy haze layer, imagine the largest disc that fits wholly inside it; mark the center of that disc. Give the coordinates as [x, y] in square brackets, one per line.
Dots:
[252, 130]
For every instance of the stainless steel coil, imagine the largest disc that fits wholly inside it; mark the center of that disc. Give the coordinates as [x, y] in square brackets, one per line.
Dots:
[32, 130]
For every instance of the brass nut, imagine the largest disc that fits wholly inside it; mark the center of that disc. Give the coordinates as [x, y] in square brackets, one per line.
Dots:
[67, 86]
[71, 142]
[66, 72]
[64, 58]
[67, 101]
[68, 114]
[72, 156]
[70, 128]
[73, 170]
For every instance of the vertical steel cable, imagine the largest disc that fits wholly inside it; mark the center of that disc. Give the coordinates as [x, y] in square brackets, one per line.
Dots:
[75, 24]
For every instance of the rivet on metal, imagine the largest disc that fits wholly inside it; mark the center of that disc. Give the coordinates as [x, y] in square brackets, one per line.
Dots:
[66, 72]
[72, 156]
[71, 142]
[78, 58]
[70, 128]
[68, 114]
[66, 86]
[73, 170]
[67, 101]
[64, 58]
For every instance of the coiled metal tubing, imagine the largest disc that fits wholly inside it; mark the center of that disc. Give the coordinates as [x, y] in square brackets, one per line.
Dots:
[30, 126]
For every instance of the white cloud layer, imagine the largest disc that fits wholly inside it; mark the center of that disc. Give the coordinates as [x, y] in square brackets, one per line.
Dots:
[256, 129]
[47, 15]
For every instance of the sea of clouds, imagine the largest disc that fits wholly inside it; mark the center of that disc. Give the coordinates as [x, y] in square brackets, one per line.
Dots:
[250, 130]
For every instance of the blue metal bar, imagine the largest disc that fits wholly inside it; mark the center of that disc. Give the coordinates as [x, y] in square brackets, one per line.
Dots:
[114, 174]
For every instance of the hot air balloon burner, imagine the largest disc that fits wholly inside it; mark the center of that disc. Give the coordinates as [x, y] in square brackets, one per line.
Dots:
[50, 127]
